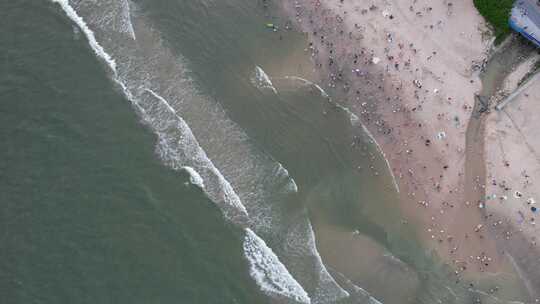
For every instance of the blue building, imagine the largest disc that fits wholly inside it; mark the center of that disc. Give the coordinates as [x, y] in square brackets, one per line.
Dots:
[525, 19]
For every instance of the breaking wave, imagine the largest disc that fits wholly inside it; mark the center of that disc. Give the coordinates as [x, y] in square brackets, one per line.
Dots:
[96, 47]
[355, 121]
[291, 184]
[269, 273]
[179, 148]
[359, 293]
[189, 147]
[309, 83]
[127, 25]
[300, 243]
[261, 80]
[194, 177]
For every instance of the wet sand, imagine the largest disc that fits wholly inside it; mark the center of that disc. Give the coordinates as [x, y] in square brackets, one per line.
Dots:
[411, 73]
[512, 166]
[364, 261]
[387, 87]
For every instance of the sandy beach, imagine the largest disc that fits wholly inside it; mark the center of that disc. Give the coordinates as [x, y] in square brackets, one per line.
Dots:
[410, 70]
[513, 167]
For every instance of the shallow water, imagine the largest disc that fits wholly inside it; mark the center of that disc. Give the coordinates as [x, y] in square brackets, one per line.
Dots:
[239, 172]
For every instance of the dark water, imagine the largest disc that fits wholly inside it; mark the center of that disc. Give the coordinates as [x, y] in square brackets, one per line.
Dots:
[96, 206]
[89, 214]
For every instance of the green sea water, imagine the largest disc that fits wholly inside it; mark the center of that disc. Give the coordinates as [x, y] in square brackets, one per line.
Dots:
[93, 212]
[88, 212]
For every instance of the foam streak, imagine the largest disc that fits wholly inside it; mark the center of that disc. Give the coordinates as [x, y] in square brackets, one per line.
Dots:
[96, 47]
[269, 273]
[228, 195]
[129, 25]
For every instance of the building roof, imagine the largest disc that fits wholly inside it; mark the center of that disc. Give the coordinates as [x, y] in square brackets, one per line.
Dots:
[525, 19]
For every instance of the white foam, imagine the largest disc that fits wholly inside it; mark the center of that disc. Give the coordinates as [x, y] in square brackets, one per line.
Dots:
[291, 183]
[300, 244]
[262, 81]
[96, 47]
[324, 274]
[356, 290]
[128, 26]
[126, 92]
[180, 149]
[226, 192]
[310, 83]
[353, 118]
[293, 186]
[355, 121]
[199, 157]
[164, 101]
[267, 270]
[194, 177]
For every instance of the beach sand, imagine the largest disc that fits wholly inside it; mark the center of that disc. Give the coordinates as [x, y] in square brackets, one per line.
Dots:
[513, 171]
[410, 70]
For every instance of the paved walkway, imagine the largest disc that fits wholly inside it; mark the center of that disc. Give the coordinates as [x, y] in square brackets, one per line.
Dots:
[518, 91]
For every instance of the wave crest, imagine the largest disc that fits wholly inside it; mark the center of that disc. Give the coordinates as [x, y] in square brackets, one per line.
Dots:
[261, 80]
[269, 273]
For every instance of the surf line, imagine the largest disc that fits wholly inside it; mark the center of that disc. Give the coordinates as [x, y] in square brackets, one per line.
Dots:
[312, 243]
[394, 180]
[267, 270]
[262, 80]
[309, 83]
[229, 196]
[270, 274]
[96, 47]
[127, 12]
[354, 120]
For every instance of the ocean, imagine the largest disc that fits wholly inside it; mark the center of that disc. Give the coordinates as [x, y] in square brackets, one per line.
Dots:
[173, 151]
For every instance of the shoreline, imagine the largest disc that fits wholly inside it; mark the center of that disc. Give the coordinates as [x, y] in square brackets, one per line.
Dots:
[381, 118]
[385, 82]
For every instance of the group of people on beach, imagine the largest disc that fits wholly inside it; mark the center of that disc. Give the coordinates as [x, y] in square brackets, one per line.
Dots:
[381, 81]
